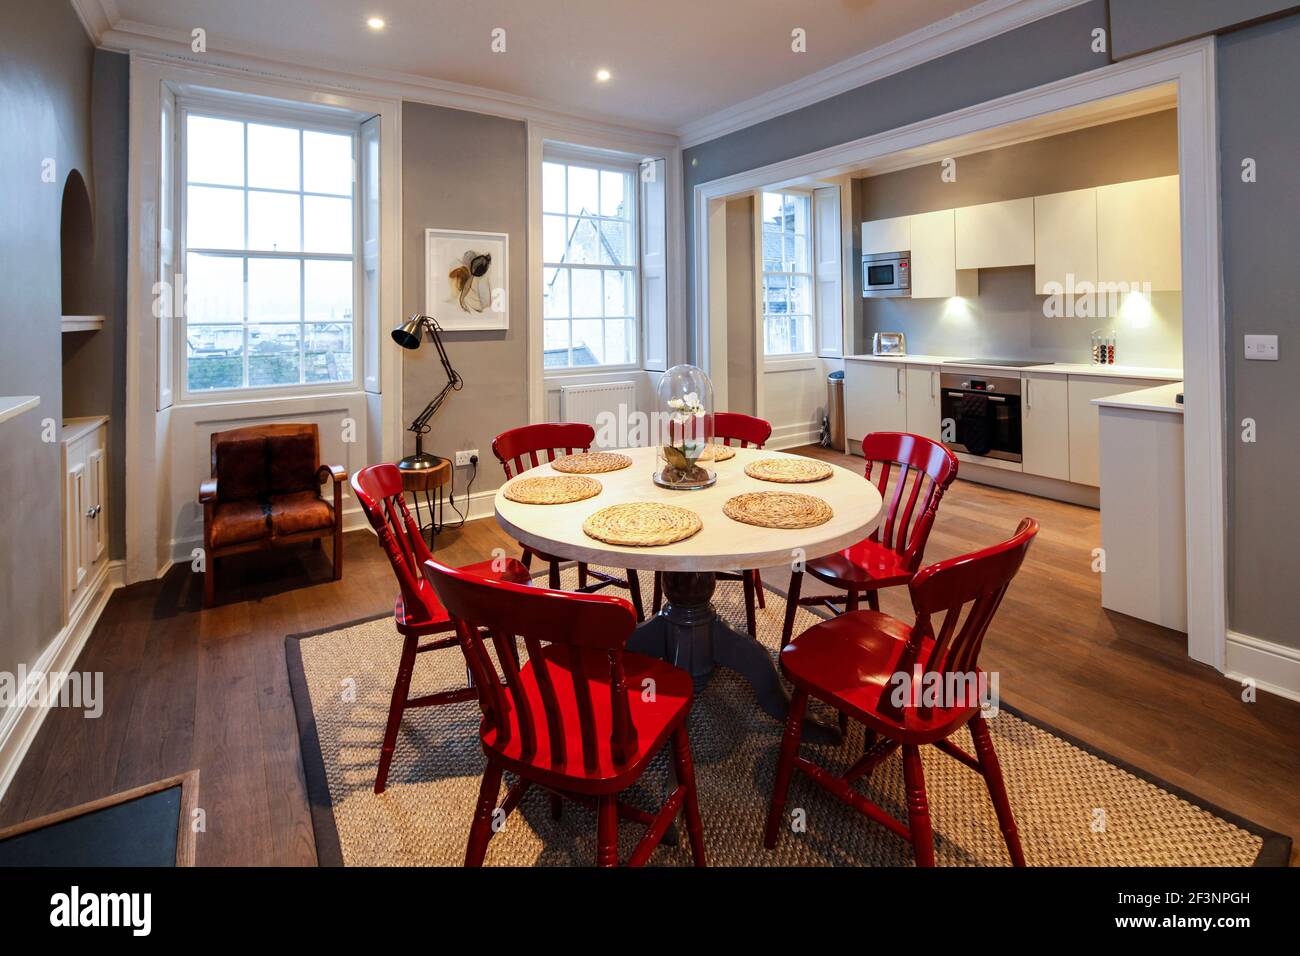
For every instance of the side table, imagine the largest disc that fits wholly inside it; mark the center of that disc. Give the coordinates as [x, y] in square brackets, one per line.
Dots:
[426, 481]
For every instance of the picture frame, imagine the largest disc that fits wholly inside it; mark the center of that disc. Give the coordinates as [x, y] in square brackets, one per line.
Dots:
[484, 305]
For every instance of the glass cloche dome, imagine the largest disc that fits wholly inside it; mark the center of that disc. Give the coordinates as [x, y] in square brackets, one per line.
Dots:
[683, 428]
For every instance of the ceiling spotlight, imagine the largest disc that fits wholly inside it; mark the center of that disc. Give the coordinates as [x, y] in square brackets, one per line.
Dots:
[375, 23]
[602, 76]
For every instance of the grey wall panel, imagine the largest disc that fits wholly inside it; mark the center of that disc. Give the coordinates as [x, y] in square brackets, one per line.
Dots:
[1138, 26]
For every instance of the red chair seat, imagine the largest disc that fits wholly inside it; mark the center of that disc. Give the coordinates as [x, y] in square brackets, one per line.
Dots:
[850, 662]
[867, 565]
[654, 720]
[427, 615]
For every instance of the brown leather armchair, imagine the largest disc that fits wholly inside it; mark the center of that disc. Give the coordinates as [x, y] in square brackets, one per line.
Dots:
[265, 490]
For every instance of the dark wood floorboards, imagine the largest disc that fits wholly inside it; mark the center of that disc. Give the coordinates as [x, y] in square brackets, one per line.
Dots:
[189, 688]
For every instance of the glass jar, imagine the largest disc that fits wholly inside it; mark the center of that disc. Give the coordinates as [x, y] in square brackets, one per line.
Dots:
[683, 428]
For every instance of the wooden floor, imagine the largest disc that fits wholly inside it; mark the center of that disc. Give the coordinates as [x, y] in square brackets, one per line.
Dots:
[187, 688]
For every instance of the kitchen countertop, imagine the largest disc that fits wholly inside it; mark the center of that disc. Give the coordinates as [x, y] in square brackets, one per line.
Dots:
[1158, 399]
[1057, 368]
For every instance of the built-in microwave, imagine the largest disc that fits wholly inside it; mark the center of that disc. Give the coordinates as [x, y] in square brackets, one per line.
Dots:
[887, 274]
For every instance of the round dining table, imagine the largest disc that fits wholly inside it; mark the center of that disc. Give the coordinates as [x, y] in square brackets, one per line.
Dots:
[687, 632]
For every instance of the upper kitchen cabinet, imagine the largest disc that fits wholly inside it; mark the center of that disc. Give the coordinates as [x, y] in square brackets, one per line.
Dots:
[934, 258]
[887, 235]
[1065, 239]
[995, 234]
[1137, 233]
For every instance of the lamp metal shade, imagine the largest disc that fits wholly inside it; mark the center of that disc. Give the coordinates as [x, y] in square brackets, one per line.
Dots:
[407, 335]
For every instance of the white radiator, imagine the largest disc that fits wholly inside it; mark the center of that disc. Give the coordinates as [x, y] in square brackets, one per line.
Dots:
[585, 403]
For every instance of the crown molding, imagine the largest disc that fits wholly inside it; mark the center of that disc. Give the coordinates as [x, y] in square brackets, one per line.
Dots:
[97, 16]
[981, 22]
[129, 36]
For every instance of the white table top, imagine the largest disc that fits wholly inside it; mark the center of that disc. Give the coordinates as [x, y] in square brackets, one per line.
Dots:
[722, 544]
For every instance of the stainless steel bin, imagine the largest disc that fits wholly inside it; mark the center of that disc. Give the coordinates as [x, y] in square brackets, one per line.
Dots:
[835, 410]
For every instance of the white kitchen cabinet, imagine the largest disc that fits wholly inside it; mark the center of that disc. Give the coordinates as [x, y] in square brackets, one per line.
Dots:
[875, 398]
[1065, 239]
[887, 235]
[1045, 425]
[1137, 234]
[995, 234]
[921, 391]
[85, 495]
[1085, 468]
[934, 258]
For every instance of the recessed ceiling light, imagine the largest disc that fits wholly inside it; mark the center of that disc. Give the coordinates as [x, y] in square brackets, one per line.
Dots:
[602, 76]
[375, 23]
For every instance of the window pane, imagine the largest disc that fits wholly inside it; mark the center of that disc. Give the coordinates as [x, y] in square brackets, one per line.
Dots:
[801, 295]
[618, 342]
[214, 289]
[272, 156]
[214, 357]
[274, 290]
[273, 221]
[326, 224]
[214, 151]
[613, 194]
[214, 218]
[586, 292]
[589, 335]
[553, 234]
[327, 163]
[327, 291]
[556, 336]
[772, 211]
[327, 352]
[617, 247]
[273, 354]
[619, 288]
[552, 187]
[584, 241]
[800, 259]
[555, 293]
[583, 187]
[772, 260]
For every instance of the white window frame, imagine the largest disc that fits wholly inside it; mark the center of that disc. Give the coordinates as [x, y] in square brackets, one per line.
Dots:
[308, 121]
[553, 153]
[776, 359]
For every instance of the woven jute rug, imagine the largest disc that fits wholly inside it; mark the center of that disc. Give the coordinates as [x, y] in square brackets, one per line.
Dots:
[1074, 807]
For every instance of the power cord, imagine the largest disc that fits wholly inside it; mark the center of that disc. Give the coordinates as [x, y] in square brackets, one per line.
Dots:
[451, 498]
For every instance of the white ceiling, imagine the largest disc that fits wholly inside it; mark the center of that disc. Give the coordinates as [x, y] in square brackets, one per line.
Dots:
[673, 61]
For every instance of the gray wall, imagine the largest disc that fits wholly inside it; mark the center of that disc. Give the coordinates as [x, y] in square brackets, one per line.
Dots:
[1137, 26]
[94, 363]
[463, 170]
[1007, 317]
[45, 71]
[1259, 77]
[741, 374]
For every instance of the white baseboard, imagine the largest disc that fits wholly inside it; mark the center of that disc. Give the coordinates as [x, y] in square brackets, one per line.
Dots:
[1273, 667]
[792, 436]
[20, 722]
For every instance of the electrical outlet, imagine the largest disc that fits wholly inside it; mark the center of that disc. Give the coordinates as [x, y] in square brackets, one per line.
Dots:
[1261, 347]
[463, 457]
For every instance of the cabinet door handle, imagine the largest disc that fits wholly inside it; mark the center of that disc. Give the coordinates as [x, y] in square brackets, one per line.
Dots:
[898, 380]
[932, 376]
[1028, 401]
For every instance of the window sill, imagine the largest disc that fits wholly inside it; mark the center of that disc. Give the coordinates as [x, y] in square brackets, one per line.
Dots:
[791, 363]
[227, 400]
[559, 373]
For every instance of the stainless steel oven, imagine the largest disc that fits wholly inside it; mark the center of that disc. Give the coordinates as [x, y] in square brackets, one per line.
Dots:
[887, 275]
[981, 414]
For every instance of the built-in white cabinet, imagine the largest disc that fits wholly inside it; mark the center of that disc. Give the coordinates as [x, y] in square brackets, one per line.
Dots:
[995, 234]
[934, 258]
[875, 398]
[887, 235]
[924, 410]
[1045, 425]
[85, 496]
[1085, 468]
[1138, 234]
[1065, 239]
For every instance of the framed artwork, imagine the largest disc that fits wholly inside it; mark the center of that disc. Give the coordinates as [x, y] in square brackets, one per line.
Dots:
[466, 279]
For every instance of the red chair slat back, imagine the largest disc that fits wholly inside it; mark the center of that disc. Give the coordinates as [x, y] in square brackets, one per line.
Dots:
[518, 448]
[925, 470]
[497, 612]
[972, 583]
[379, 489]
[744, 430]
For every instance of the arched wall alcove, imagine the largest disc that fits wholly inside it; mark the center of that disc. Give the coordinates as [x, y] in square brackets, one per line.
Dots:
[77, 247]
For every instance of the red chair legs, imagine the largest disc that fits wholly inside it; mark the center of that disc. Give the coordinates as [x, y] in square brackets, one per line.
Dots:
[480, 830]
[785, 766]
[918, 807]
[992, 772]
[686, 778]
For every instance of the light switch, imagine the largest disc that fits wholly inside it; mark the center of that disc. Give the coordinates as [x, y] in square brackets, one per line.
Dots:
[1261, 348]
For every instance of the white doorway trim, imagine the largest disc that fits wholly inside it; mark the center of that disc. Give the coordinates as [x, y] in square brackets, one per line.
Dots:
[1191, 67]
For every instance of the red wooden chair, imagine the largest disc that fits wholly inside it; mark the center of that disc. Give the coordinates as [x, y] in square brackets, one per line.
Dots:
[518, 450]
[573, 719]
[893, 552]
[417, 611]
[850, 662]
[744, 431]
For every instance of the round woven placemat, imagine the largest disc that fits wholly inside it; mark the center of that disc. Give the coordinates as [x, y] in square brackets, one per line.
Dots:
[777, 509]
[552, 489]
[788, 470]
[591, 463]
[718, 453]
[642, 524]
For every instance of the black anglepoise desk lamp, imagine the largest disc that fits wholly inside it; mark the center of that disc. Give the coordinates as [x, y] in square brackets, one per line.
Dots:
[408, 335]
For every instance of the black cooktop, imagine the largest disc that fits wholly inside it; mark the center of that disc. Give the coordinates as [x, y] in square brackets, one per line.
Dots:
[1008, 363]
